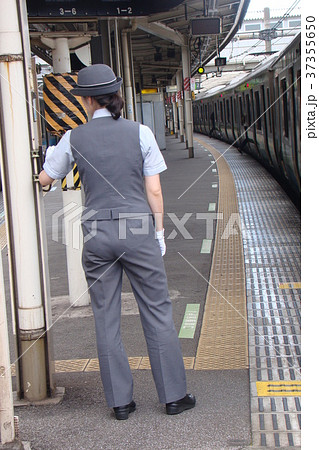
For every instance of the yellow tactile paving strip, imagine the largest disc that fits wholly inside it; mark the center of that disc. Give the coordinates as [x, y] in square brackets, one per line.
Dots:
[223, 342]
[278, 388]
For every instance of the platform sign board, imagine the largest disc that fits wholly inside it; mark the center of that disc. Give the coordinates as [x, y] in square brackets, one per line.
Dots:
[204, 27]
[171, 88]
[97, 8]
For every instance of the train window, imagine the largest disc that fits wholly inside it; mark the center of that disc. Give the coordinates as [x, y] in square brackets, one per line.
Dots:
[205, 112]
[216, 113]
[227, 111]
[258, 113]
[269, 110]
[248, 109]
[283, 86]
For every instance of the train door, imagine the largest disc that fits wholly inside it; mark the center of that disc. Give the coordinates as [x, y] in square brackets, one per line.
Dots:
[278, 124]
[241, 121]
[195, 117]
[271, 118]
[259, 139]
[228, 125]
[250, 135]
[295, 141]
[222, 118]
[207, 124]
[297, 124]
[265, 123]
[201, 118]
[285, 130]
[234, 114]
[211, 118]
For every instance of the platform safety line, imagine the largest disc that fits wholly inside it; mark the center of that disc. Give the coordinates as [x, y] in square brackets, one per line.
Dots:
[219, 227]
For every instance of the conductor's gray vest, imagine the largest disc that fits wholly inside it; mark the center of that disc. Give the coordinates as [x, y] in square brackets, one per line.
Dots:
[110, 163]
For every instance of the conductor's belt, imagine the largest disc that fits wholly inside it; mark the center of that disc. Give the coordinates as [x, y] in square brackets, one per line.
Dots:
[122, 212]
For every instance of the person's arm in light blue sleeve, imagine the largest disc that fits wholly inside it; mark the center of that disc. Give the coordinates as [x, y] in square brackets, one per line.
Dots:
[59, 161]
[153, 165]
[153, 159]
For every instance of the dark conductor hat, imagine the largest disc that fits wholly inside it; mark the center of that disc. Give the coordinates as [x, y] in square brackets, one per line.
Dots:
[98, 79]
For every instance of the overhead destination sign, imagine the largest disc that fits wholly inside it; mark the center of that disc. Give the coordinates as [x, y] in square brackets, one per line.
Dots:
[94, 8]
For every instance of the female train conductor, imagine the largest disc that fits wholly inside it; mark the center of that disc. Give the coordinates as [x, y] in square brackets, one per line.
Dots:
[116, 158]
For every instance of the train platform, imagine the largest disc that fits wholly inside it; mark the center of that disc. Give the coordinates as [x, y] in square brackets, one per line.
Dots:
[233, 268]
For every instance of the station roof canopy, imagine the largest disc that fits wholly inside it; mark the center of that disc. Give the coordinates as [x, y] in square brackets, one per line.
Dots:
[156, 38]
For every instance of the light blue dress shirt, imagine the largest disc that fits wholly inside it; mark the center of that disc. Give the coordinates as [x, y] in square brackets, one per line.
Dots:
[59, 160]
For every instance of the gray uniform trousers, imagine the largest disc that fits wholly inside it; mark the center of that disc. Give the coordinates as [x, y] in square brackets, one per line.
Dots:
[104, 258]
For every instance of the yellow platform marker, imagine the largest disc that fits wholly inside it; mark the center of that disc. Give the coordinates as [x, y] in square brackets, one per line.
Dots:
[294, 285]
[278, 388]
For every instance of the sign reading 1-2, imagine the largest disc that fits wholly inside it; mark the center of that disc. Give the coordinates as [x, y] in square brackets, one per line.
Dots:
[127, 11]
[97, 8]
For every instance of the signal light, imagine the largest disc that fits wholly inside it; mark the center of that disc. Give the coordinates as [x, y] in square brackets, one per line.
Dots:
[201, 70]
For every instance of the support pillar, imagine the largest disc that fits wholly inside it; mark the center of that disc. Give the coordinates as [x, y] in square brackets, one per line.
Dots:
[175, 113]
[129, 98]
[61, 56]
[78, 289]
[180, 105]
[28, 291]
[7, 432]
[188, 101]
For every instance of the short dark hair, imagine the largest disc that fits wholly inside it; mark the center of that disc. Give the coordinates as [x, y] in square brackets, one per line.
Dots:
[113, 102]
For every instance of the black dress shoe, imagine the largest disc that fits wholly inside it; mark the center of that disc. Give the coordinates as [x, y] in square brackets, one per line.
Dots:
[122, 412]
[181, 405]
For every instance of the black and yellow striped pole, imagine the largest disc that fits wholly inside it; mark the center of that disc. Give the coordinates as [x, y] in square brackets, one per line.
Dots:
[63, 112]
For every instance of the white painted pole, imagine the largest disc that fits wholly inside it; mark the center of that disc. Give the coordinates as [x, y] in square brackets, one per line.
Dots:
[19, 194]
[129, 100]
[61, 56]
[78, 290]
[188, 102]
[179, 82]
[6, 411]
[267, 26]
[175, 117]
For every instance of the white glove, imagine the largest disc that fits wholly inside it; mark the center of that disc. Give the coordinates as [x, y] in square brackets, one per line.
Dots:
[161, 241]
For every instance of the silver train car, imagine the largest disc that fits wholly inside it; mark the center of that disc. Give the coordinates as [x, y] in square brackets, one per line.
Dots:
[259, 113]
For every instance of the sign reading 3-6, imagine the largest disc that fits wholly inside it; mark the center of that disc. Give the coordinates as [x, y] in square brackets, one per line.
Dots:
[67, 11]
